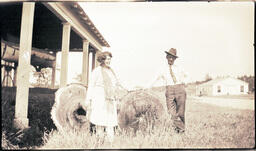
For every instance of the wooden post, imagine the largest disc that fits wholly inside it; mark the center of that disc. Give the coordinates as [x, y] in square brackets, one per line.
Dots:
[93, 60]
[96, 56]
[64, 54]
[90, 64]
[21, 106]
[53, 73]
[85, 65]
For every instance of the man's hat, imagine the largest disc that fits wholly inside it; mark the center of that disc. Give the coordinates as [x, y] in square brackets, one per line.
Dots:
[172, 52]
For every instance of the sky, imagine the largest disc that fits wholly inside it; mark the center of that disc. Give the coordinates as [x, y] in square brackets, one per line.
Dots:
[213, 38]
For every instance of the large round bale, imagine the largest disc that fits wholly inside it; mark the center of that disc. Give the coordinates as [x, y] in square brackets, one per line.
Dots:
[140, 109]
[68, 111]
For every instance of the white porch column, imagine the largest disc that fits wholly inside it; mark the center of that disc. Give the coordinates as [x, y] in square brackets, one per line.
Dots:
[64, 54]
[96, 56]
[21, 106]
[2, 74]
[93, 60]
[85, 65]
[90, 64]
[53, 73]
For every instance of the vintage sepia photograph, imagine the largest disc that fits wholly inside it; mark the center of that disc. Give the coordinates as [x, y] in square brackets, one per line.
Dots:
[127, 74]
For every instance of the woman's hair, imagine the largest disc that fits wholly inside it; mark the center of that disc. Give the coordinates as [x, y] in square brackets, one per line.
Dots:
[102, 56]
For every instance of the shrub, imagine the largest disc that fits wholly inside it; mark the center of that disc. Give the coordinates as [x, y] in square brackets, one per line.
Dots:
[39, 107]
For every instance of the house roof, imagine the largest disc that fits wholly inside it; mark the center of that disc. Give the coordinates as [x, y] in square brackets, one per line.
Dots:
[87, 22]
[47, 26]
[47, 31]
[217, 80]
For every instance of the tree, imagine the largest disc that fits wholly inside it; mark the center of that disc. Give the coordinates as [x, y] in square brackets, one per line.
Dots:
[207, 77]
[249, 80]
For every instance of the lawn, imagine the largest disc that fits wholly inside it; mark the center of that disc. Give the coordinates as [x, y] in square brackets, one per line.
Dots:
[244, 96]
[207, 126]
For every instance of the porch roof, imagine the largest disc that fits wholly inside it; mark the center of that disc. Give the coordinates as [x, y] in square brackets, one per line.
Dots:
[47, 28]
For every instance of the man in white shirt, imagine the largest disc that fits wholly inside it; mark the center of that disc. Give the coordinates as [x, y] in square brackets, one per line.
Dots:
[174, 78]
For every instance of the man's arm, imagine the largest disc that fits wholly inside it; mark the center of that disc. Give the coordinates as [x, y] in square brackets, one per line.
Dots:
[159, 79]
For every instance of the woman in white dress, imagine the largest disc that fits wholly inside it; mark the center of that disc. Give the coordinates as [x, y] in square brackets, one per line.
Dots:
[101, 96]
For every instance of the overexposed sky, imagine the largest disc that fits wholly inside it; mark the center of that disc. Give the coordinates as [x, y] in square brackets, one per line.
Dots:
[213, 38]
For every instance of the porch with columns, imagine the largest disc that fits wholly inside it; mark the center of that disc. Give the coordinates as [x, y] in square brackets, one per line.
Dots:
[73, 30]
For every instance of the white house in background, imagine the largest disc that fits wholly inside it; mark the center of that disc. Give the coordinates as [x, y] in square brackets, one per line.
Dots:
[222, 86]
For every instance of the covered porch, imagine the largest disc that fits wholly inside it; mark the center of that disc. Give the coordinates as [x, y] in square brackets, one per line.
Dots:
[32, 34]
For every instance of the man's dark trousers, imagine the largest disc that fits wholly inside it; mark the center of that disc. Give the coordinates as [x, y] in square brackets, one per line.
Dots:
[176, 100]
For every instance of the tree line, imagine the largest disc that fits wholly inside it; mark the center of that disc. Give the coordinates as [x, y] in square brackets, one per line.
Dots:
[249, 80]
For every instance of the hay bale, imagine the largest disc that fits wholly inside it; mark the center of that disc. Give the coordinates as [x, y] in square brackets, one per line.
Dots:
[68, 111]
[137, 110]
[140, 109]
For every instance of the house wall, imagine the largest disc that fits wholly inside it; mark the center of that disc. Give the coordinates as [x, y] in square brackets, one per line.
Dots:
[198, 89]
[230, 87]
[204, 90]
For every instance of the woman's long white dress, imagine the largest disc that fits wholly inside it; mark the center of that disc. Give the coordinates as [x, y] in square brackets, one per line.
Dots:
[103, 113]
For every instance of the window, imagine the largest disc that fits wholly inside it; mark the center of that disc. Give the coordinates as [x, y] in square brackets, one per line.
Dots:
[219, 89]
[241, 88]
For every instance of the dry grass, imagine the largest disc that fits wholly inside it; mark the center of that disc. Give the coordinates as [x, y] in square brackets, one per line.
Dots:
[243, 96]
[207, 126]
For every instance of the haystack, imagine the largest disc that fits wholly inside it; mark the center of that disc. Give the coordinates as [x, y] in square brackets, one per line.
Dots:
[140, 109]
[68, 112]
[136, 109]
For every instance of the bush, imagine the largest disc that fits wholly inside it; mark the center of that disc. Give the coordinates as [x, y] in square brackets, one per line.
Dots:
[39, 108]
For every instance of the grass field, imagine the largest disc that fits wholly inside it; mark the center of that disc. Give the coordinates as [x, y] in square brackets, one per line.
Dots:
[244, 97]
[207, 126]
